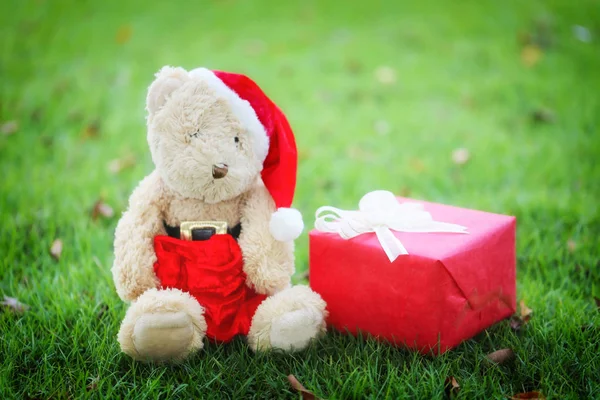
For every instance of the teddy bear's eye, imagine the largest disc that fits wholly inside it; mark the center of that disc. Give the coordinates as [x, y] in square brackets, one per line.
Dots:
[236, 139]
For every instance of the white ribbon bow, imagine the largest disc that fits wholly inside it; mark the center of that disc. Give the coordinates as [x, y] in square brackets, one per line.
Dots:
[379, 211]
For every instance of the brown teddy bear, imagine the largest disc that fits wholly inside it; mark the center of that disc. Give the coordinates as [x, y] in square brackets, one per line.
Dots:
[205, 248]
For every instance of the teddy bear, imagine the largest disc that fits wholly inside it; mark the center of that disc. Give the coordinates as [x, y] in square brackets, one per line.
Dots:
[205, 248]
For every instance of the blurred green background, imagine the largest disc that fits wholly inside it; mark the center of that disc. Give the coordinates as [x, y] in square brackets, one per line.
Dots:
[480, 104]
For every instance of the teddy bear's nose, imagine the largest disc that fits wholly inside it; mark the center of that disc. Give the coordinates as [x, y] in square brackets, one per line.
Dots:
[219, 171]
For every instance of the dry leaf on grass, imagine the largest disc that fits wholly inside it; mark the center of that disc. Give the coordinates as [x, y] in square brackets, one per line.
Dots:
[541, 34]
[296, 385]
[571, 245]
[451, 386]
[531, 55]
[525, 311]
[460, 156]
[37, 114]
[56, 249]
[528, 395]
[326, 184]
[14, 305]
[93, 384]
[47, 141]
[101, 209]
[9, 127]
[416, 164]
[404, 191]
[119, 164]
[303, 155]
[353, 65]
[92, 130]
[500, 356]
[517, 321]
[468, 101]
[385, 75]
[543, 115]
[123, 34]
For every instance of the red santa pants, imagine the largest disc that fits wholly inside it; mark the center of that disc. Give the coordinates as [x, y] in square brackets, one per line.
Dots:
[212, 272]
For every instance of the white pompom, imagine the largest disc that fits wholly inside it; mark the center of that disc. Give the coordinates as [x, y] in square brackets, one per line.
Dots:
[286, 224]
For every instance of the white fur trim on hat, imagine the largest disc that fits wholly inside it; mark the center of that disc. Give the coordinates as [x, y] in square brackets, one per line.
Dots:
[241, 109]
[286, 224]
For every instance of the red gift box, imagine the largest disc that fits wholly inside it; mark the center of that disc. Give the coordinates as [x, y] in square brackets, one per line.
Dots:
[447, 289]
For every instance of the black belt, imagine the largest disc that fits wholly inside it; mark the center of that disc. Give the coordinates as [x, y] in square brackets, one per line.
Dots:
[202, 233]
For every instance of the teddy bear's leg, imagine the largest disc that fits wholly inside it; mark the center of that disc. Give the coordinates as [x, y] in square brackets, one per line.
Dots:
[162, 325]
[288, 320]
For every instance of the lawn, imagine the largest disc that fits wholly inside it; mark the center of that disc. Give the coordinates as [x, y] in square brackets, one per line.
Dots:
[380, 95]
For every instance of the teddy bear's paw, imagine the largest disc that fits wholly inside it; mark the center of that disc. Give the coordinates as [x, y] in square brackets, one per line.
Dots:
[294, 330]
[163, 325]
[288, 320]
[163, 336]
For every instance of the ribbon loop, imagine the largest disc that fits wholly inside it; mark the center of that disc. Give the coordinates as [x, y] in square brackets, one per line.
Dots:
[380, 212]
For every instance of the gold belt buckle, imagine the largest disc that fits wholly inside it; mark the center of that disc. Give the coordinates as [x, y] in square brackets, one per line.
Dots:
[186, 228]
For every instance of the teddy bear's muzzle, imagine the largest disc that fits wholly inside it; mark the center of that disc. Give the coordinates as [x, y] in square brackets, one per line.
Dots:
[219, 171]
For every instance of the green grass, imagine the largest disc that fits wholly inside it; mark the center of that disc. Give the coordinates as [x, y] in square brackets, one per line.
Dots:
[460, 83]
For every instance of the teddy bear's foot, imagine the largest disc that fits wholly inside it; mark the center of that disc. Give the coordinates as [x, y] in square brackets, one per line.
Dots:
[288, 320]
[294, 330]
[162, 325]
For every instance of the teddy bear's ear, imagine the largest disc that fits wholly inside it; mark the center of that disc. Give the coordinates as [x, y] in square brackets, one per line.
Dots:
[168, 79]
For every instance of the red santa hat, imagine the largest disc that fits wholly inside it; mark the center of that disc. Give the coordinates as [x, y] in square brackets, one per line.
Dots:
[274, 144]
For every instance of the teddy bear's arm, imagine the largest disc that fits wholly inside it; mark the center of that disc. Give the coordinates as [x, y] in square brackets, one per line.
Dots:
[268, 263]
[133, 268]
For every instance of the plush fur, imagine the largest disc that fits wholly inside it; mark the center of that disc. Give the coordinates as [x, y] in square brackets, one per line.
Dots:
[288, 320]
[286, 224]
[192, 127]
[242, 110]
[162, 325]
